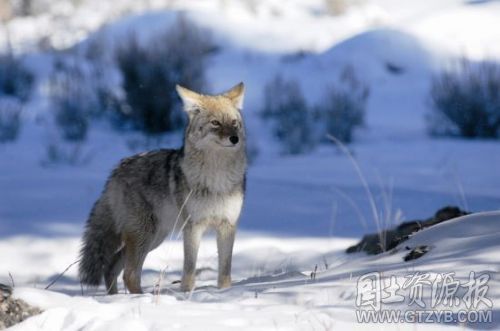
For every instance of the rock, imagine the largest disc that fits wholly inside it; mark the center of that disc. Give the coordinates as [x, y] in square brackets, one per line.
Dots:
[13, 311]
[5, 292]
[416, 252]
[377, 243]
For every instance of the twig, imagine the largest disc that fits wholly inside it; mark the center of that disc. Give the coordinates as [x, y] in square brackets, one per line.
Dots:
[313, 273]
[362, 178]
[12, 280]
[61, 274]
[369, 194]
[163, 271]
[325, 262]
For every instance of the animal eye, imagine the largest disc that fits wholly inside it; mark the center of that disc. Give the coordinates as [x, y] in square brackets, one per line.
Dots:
[234, 123]
[215, 122]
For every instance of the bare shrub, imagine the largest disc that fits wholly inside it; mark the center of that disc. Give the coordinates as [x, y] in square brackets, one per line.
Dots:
[286, 107]
[466, 101]
[73, 99]
[10, 119]
[15, 88]
[24, 7]
[342, 108]
[27, 8]
[80, 92]
[151, 71]
[15, 79]
[75, 102]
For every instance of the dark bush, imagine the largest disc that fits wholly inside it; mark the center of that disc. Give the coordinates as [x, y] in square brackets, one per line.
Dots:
[342, 108]
[15, 79]
[286, 107]
[466, 101]
[80, 92]
[10, 119]
[151, 71]
[15, 88]
[73, 98]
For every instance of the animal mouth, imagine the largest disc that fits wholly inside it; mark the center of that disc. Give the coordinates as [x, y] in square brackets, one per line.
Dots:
[226, 146]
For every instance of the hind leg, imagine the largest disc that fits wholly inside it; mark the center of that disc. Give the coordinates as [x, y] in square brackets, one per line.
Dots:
[136, 249]
[112, 270]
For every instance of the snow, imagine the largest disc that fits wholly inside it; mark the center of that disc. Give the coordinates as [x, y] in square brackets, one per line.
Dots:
[272, 287]
[456, 30]
[300, 211]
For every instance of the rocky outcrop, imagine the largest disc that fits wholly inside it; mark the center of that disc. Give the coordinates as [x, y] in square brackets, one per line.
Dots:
[13, 311]
[377, 243]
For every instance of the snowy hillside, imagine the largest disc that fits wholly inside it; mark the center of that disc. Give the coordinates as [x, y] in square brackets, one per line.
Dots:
[301, 211]
[272, 293]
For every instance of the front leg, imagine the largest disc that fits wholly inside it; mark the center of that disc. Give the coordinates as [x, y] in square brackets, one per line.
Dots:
[225, 241]
[192, 237]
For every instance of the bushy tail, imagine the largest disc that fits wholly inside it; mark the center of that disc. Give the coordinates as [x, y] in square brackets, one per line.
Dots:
[100, 242]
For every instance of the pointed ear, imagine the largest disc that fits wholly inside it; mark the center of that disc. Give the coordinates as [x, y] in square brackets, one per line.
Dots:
[189, 98]
[236, 94]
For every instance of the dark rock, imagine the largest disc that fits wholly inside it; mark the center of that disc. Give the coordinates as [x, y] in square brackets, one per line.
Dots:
[377, 243]
[416, 252]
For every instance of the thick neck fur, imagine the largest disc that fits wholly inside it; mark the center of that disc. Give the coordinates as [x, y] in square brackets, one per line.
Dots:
[215, 170]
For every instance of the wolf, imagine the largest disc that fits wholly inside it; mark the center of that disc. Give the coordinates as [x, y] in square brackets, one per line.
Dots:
[151, 195]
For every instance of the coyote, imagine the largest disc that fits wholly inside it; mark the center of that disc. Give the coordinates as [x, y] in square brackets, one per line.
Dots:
[151, 195]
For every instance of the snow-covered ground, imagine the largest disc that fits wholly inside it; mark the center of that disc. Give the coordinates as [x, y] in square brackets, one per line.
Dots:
[301, 212]
[273, 287]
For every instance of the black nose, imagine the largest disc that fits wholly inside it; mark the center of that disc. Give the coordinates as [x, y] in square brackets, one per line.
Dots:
[234, 139]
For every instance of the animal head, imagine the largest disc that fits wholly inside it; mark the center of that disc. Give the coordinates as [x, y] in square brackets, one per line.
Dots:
[215, 121]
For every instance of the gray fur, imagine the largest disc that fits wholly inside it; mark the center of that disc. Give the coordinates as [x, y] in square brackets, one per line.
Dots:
[143, 197]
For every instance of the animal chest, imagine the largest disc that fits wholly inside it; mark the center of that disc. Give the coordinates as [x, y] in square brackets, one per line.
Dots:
[216, 208]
